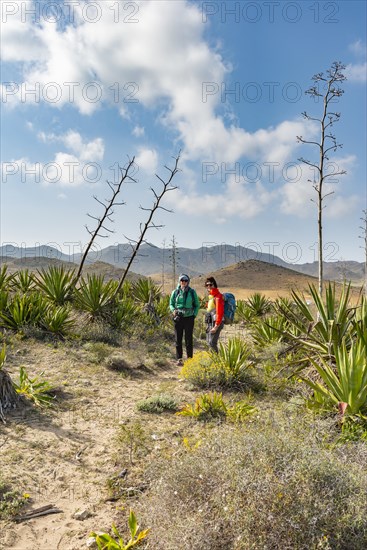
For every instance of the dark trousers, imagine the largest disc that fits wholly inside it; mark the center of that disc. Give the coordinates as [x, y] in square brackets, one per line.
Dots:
[212, 339]
[184, 325]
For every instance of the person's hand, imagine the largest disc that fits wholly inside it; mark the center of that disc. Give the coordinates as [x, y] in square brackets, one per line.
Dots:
[214, 330]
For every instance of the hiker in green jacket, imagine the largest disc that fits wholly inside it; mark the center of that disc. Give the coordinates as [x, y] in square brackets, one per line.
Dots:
[184, 305]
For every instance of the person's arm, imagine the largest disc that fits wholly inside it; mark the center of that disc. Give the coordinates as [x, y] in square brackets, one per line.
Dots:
[196, 304]
[172, 301]
[219, 310]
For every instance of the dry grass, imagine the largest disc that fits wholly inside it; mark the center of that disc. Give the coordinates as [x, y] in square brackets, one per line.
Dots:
[271, 485]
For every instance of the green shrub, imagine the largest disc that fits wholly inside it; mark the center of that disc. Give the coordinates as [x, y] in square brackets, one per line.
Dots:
[344, 383]
[275, 483]
[94, 296]
[55, 283]
[157, 404]
[227, 368]
[11, 501]
[259, 304]
[105, 541]
[209, 406]
[206, 407]
[34, 389]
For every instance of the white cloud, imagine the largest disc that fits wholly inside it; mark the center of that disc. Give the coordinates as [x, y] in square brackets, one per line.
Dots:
[147, 160]
[358, 48]
[356, 72]
[238, 198]
[103, 64]
[20, 39]
[138, 131]
[79, 167]
[298, 197]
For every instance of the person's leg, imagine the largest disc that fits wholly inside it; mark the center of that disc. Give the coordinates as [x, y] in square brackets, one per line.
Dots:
[189, 329]
[213, 338]
[179, 328]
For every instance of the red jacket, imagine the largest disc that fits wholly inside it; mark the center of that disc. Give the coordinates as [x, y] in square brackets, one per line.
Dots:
[219, 305]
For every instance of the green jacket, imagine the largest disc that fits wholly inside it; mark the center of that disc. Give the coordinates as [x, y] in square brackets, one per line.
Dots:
[187, 302]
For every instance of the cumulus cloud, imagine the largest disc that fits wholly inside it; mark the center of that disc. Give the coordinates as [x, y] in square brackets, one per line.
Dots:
[356, 72]
[88, 65]
[113, 61]
[239, 198]
[298, 197]
[138, 131]
[81, 165]
[147, 160]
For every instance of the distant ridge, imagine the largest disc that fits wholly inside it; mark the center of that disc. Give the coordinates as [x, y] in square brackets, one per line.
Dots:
[208, 258]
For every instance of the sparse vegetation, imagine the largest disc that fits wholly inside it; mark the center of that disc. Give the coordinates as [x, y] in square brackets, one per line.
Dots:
[105, 541]
[157, 404]
[286, 456]
[228, 368]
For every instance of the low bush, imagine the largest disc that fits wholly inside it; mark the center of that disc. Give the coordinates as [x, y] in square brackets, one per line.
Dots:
[276, 483]
[11, 501]
[212, 406]
[227, 368]
[157, 404]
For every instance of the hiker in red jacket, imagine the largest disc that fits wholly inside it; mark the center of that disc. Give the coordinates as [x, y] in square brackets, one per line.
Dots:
[214, 316]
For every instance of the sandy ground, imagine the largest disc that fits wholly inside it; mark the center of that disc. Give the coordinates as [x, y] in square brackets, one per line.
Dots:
[65, 456]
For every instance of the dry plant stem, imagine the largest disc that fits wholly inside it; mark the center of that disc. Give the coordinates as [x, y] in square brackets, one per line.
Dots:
[8, 395]
[149, 224]
[108, 205]
[327, 143]
[38, 512]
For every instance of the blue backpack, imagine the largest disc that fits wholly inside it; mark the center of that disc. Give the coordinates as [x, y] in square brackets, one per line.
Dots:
[229, 307]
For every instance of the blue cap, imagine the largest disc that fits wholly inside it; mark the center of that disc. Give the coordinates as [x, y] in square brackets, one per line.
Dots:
[183, 277]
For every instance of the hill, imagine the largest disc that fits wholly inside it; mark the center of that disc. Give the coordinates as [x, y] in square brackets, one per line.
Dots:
[245, 278]
[209, 257]
[39, 263]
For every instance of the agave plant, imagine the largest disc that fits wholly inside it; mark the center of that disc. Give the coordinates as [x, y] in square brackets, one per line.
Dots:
[243, 311]
[5, 279]
[23, 310]
[145, 291]
[34, 389]
[162, 308]
[104, 541]
[123, 314]
[233, 360]
[346, 382]
[323, 332]
[56, 320]
[23, 281]
[94, 295]
[206, 407]
[269, 331]
[56, 283]
[4, 298]
[360, 321]
[259, 304]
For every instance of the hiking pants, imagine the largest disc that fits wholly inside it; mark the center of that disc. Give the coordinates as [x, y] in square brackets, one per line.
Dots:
[212, 339]
[185, 324]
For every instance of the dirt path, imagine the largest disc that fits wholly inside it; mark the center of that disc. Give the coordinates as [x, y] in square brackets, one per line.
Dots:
[65, 457]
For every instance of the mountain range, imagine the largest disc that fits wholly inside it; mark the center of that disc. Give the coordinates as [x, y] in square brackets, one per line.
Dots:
[153, 260]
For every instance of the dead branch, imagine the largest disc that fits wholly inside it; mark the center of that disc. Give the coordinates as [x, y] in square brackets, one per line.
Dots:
[107, 205]
[167, 186]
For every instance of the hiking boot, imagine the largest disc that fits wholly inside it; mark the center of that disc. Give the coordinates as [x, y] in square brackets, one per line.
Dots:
[179, 362]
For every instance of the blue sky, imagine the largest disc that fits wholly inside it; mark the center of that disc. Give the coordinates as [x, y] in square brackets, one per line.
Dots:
[88, 84]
